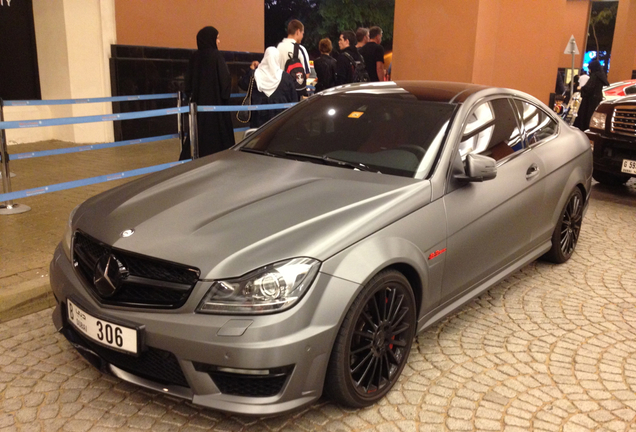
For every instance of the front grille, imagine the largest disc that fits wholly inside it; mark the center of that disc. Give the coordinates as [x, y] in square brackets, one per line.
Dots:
[624, 120]
[248, 385]
[150, 283]
[153, 364]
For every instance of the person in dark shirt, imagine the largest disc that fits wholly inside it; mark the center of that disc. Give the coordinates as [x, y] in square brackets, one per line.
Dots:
[271, 85]
[373, 55]
[325, 66]
[345, 67]
[362, 36]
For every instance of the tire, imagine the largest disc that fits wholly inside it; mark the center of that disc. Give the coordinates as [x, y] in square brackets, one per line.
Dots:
[566, 233]
[373, 343]
[609, 179]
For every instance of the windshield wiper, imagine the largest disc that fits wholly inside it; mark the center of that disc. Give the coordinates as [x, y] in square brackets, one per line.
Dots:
[257, 151]
[332, 161]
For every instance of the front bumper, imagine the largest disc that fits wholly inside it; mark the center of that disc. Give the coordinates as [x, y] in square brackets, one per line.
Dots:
[185, 347]
[610, 151]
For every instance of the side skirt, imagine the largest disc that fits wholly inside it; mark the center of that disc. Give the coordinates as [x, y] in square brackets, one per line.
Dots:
[443, 310]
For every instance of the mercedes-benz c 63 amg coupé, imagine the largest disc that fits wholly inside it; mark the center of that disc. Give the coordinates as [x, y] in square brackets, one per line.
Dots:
[306, 258]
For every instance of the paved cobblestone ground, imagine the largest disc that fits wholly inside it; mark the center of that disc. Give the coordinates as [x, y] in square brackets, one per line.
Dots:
[551, 348]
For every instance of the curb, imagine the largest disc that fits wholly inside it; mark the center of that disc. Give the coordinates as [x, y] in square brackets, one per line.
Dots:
[25, 298]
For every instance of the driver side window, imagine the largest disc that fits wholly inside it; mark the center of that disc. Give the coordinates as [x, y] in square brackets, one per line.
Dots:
[492, 130]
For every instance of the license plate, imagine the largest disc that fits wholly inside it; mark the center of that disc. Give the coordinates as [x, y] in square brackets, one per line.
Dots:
[102, 331]
[629, 166]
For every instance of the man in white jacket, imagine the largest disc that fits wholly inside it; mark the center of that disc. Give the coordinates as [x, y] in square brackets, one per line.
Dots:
[295, 33]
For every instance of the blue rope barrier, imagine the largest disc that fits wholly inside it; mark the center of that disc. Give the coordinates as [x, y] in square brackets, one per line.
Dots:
[91, 147]
[225, 108]
[88, 100]
[20, 124]
[85, 182]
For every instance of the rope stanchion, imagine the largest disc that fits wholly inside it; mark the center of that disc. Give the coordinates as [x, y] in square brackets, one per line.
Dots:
[194, 131]
[179, 123]
[9, 207]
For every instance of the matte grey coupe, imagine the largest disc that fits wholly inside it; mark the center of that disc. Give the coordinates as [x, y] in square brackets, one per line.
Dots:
[307, 257]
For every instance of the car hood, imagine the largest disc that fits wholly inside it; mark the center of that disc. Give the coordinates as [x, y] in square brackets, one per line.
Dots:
[232, 212]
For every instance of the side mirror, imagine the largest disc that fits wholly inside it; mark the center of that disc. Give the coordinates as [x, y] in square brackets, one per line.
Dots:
[478, 168]
[249, 132]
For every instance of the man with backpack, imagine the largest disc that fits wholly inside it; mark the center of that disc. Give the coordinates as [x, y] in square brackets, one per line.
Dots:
[350, 66]
[293, 56]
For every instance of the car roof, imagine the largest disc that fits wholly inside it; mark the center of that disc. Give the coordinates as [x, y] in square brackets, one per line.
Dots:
[435, 91]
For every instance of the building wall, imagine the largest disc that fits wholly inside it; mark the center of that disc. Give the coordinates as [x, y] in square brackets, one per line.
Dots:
[492, 42]
[624, 46]
[174, 24]
[434, 39]
[575, 20]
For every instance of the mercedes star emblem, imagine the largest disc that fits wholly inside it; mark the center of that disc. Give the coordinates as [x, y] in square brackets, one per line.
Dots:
[110, 274]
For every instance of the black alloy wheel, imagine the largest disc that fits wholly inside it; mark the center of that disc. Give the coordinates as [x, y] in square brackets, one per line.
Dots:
[566, 233]
[374, 342]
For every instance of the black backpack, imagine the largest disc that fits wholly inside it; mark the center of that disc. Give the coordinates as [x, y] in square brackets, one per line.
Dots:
[360, 73]
[295, 68]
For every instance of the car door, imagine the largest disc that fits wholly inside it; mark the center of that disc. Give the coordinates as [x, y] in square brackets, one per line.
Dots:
[490, 224]
[539, 131]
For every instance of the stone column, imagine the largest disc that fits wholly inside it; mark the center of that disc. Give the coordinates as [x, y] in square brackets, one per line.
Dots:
[73, 42]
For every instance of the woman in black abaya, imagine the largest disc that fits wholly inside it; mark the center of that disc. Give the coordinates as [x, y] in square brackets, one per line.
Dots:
[208, 83]
[592, 95]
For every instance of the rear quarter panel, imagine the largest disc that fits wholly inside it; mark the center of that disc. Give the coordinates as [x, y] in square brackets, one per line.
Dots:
[568, 164]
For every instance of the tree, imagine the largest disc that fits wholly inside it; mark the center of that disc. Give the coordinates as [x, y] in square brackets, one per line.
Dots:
[340, 15]
[601, 27]
[327, 18]
[278, 13]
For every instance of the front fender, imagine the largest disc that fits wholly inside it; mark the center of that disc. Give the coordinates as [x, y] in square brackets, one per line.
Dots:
[413, 245]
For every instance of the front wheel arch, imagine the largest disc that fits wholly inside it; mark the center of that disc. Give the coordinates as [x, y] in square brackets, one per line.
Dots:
[373, 342]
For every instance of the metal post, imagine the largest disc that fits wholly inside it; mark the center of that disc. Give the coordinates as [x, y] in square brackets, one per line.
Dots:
[179, 122]
[194, 133]
[572, 78]
[9, 207]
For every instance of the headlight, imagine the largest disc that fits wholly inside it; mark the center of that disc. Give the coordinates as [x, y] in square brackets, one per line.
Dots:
[273, 288]
[598, 121]
[68, 234]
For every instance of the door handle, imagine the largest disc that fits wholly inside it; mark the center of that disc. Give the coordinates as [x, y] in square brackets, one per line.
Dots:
[532, 172]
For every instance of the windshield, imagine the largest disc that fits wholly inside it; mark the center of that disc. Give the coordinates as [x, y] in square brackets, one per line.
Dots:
[390, 134]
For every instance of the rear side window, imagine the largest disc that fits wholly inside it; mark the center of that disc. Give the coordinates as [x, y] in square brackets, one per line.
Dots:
[492, 130]
[538, 125]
